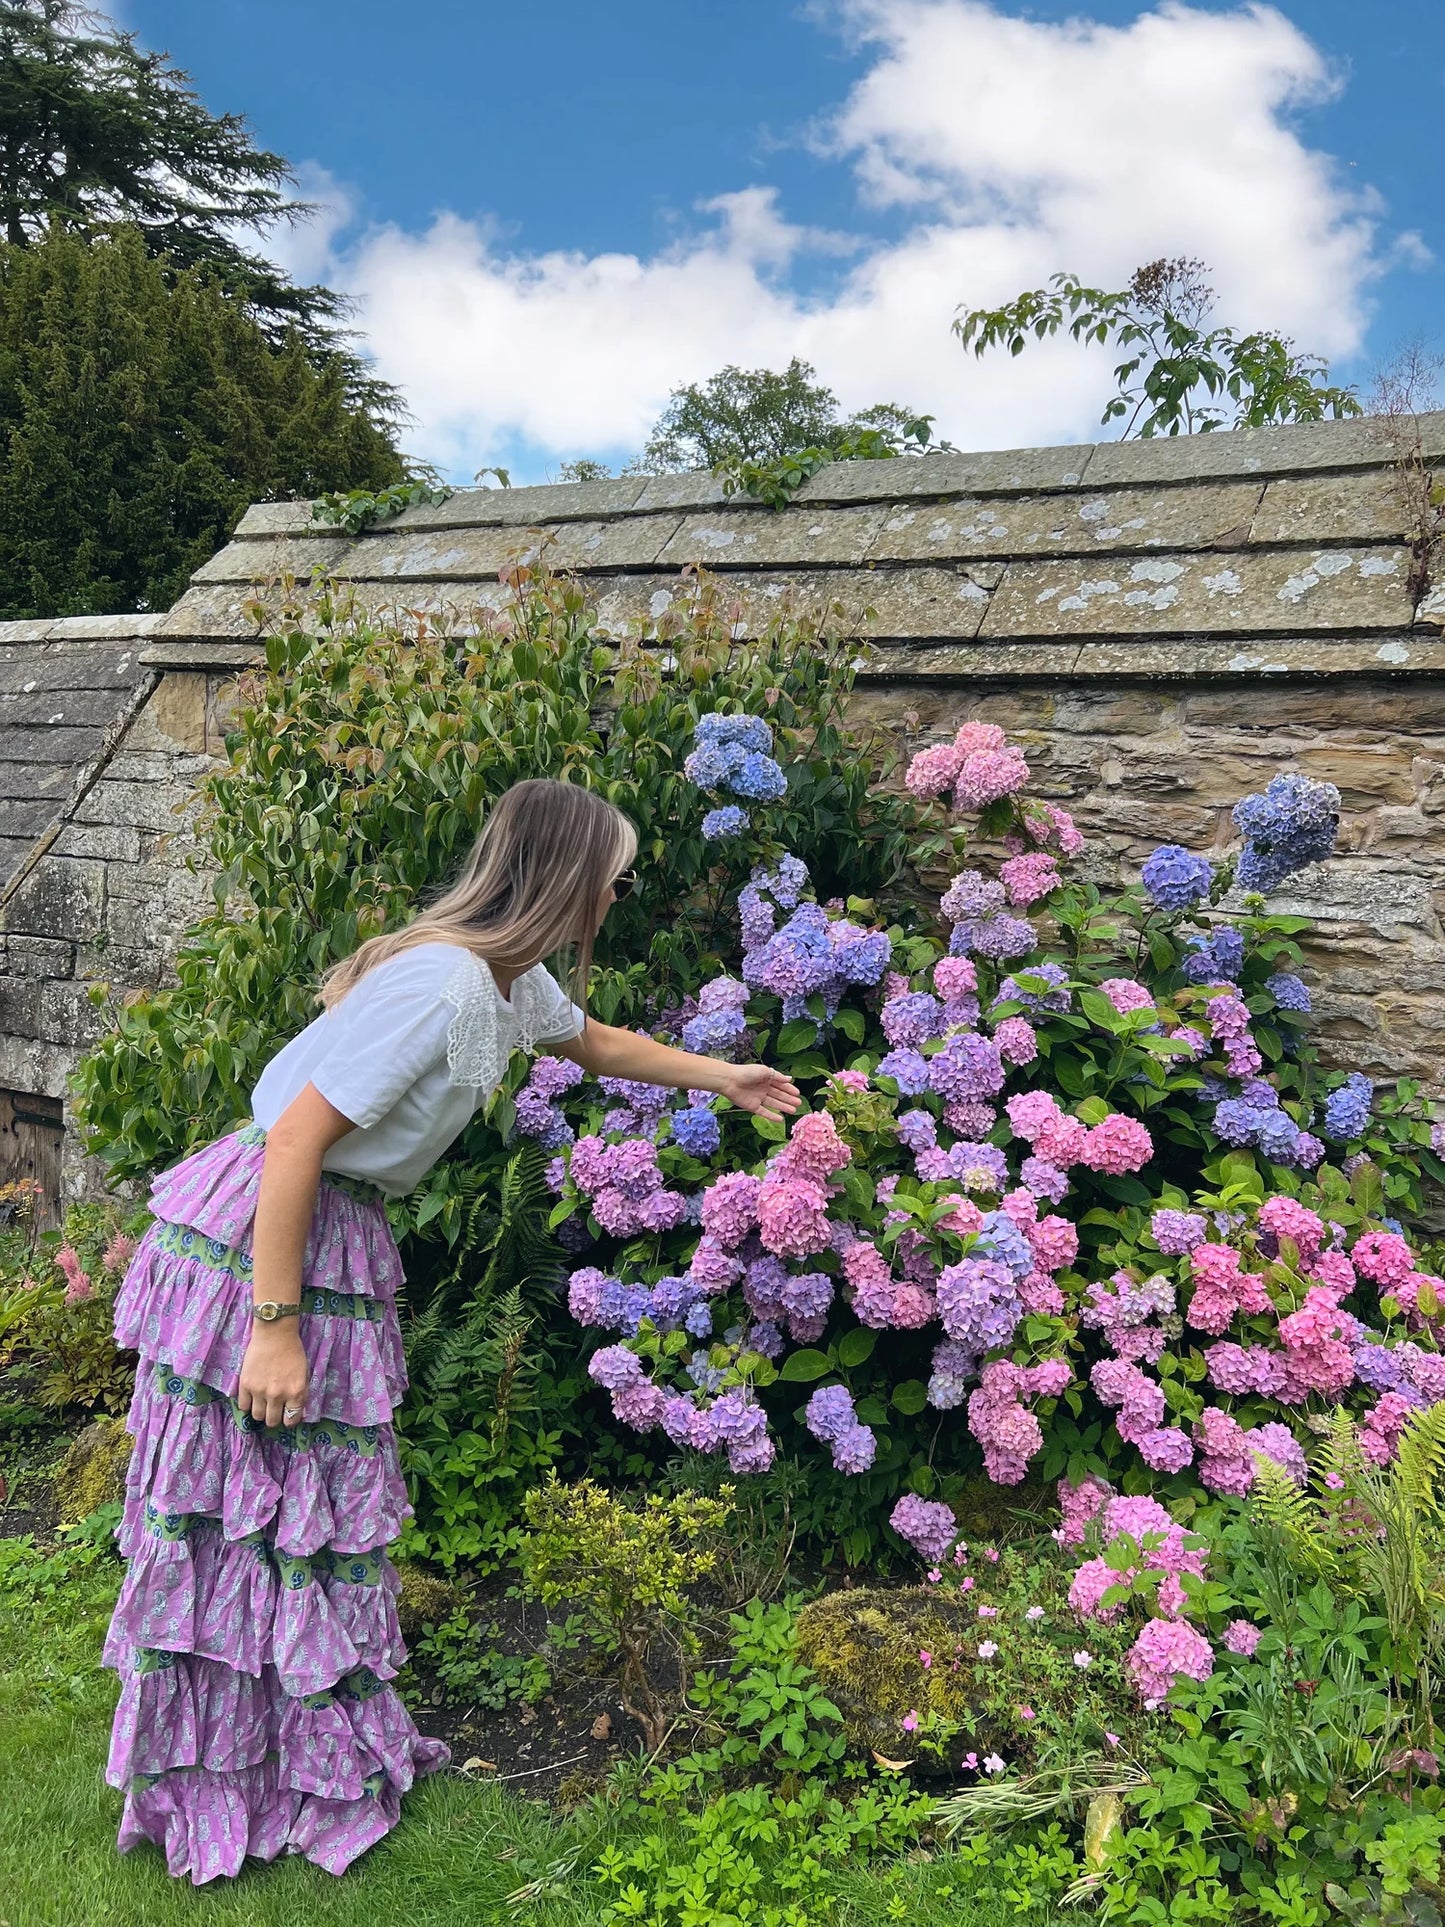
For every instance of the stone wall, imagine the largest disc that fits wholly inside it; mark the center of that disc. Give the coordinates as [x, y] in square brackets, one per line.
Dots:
[109, 896]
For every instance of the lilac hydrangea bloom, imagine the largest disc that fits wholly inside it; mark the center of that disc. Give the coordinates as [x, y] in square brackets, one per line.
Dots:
[726, 822]
[1293, 823]
[1289, 992]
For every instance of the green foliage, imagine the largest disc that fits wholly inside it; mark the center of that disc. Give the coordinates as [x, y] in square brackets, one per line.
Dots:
[756, 415]
[356, 509]
[627, 1570]
[1179, 378]
[56, 1298]
[765, 1707]
[776, 480]
[141, 412]
[488, 1410]
[757, 1857]
[463, 1658]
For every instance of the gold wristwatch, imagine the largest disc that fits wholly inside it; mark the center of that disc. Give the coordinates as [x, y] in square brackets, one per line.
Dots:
[269, 1311]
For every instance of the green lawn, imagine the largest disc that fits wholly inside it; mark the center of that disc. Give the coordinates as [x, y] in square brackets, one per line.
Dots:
[462, 1847]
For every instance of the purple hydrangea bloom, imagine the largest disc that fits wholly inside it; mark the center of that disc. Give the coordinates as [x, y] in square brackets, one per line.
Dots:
[1045, 1180]
[972, 895]
[1280, 1444]
[615, 1366]
[911, 1019]
[918, 1130]
[968, 1066]
[1177, 1232]
[714, 1033]
[829, 1412]
[1175, 879]
[1003, 937]
[855, 1449]
[978, 1303]
[928, 1526]
[1054, 995]
[1000, 1237]
[908, 1069]
[785, 884]
[954, 1365]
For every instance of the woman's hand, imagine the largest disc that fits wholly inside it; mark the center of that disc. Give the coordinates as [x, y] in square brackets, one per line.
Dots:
[274, 1375]
[761, 1089]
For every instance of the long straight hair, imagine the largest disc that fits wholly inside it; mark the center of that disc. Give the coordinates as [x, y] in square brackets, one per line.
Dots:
[528, 890]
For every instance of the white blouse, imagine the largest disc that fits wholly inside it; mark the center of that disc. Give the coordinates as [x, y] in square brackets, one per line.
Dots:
[408, 1055]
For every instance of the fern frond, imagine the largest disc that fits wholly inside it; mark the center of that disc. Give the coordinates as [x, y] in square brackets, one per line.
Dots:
[1419, 1467]
[1287, 1512]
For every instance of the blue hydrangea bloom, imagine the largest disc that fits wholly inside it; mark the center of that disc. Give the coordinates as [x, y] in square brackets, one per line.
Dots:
[749, 732]
[1347, 1110]
[1175, 879]
[1278, 1136]
[1288, 991]
[759, 778]
[1294, 822]
[697, 1131]
[728, 821]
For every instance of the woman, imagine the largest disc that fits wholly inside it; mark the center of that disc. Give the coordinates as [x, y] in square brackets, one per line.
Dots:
[256, 1632]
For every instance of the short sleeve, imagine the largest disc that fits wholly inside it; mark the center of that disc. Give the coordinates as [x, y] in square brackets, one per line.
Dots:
[383, 1035]
[558, 1018]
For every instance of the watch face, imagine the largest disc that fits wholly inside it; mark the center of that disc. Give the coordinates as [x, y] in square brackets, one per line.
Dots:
[266, 1312]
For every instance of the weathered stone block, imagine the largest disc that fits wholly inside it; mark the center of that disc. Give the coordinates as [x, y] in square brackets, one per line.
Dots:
[62, 897]
[1246, 594]
[758, 538]
[261, 558]
[177, 710]
[42, 957]
[1014, 471]
[67, 1016]
[116, 842]
[20, 1007]
[1069, 524]
[1364, 505]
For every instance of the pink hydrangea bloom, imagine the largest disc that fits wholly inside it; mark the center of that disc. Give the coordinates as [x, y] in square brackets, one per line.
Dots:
[793, 1217]
[1384, 1257]
[1242, 1637]
[1115, 1145]
[988, 774]
[1016, 1041]
[1167, 1650]
[729, 1207]
[1062, 1142]
[814, 1150]
[1226, 1463]
[1079, 1504]
[1288, 1218]
[933, 772]
[955, 978]
[1126, 994]
[1029, 878]
[1031, 1112]
[1054, 1243]
[1054, 826]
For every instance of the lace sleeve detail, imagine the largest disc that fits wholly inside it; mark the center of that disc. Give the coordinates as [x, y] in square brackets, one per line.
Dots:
[474, 1046]
[535, 1009]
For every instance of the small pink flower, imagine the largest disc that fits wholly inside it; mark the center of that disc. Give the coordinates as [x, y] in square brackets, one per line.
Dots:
[910, 1721]
[933, 1575]
[965, 1585]
[960, 1555]
[1333, 1481]
[970, 1762]
[991, 1554]
[988, 1612]
[1083, 1659]
[1027, 1713]
[1034, 1612]
[992, 1763]
[1112, 1738]
[987, 1648]
[925, 1659]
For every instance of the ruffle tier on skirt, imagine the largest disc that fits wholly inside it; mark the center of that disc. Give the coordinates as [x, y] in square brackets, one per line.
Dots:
[256, 1632]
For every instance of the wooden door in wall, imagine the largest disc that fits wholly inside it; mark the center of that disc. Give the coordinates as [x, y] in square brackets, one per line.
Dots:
[31, 1129]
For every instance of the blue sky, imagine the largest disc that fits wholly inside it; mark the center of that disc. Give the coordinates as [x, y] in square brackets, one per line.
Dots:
[548, 216]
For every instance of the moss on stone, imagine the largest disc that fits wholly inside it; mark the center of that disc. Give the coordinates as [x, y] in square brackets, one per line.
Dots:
[426, 1598]
[864, 1648]
[92, 1473]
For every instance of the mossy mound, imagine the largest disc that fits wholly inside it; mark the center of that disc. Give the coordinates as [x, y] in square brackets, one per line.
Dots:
[864, 1647]
[426, 1598]
[988, 1511]
[92, 1473]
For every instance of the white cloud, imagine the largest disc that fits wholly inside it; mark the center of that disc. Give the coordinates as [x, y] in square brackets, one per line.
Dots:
[1007, 148]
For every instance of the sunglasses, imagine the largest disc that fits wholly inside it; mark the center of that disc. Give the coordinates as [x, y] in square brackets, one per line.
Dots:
[624, 885]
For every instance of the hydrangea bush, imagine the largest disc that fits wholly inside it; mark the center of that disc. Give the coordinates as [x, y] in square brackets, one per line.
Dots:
[1073, 1195]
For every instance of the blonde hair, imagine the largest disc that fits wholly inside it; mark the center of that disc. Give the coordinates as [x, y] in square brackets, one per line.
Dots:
[529, 888]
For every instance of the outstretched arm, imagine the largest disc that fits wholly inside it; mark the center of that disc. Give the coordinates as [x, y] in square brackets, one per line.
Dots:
[607, 1051]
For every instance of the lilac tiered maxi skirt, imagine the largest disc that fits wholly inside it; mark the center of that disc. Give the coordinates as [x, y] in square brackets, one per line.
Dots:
[256, 1632]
